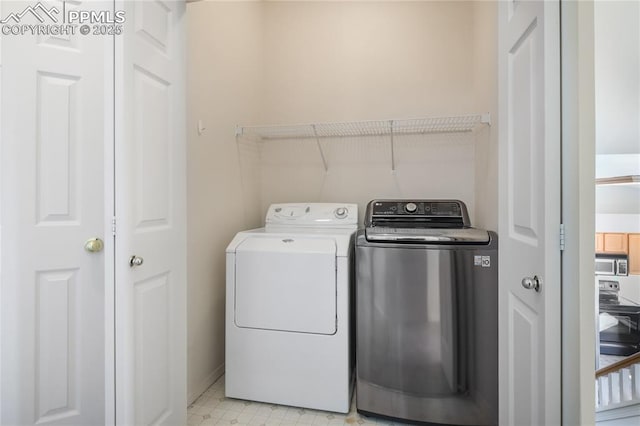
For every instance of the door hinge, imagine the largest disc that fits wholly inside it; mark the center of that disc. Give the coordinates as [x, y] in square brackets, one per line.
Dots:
[562, 237]
[113, 226]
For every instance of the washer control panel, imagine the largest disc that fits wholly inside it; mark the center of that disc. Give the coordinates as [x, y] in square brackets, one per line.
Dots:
[411, 207]
[312, 214]
[417, 213]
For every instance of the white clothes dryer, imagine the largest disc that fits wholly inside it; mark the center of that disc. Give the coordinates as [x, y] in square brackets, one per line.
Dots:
[289, 329]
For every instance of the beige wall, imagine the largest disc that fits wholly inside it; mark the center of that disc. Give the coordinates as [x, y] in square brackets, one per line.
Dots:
[345, 61]
[301, 62]
[327, 62]
[485, 66]
[224, 59]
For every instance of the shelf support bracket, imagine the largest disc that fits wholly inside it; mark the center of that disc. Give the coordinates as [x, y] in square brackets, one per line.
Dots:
[393, 156]
[319, 145]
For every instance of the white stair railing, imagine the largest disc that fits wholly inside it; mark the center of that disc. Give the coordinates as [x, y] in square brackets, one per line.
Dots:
[618, 384]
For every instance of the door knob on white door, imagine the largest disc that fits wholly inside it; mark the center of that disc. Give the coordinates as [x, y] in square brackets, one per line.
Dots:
[135, 261]
[532, 283]
[94, 245]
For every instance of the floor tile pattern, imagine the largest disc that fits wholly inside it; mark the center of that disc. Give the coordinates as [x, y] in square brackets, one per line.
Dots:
[213, 408]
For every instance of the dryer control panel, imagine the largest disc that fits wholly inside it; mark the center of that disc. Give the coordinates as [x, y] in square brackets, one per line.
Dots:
[325, 215]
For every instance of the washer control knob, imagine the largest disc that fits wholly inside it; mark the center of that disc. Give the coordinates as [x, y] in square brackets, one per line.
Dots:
[341, 212]
[410, 207]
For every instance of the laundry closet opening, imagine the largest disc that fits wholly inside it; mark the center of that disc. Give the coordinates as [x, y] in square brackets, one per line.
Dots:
[288, 63]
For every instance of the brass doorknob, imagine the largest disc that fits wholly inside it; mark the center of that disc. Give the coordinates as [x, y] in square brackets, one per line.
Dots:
[94, 245]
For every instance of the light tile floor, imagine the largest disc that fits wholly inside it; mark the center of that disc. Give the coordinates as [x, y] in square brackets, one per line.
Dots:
[213, 408]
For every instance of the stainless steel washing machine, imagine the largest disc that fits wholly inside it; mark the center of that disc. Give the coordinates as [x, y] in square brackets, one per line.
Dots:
[427, 314]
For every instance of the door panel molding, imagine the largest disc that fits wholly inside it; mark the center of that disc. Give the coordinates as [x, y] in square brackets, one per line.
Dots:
[151, 215]
[54, 350]
[529, 211]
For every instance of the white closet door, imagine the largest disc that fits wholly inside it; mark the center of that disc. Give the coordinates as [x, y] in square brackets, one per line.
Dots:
[53, 291]
[529, 54]
[150, 213]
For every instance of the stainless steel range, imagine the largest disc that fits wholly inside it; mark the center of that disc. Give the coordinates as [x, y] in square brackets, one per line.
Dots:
[618, 322]
[427, 314]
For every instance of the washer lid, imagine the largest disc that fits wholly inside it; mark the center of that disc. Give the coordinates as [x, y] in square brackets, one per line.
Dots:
[428, 235]
[286, 283]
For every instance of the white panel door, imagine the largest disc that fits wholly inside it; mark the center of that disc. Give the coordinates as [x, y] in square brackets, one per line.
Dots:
[150, 215]
[529, 75]
[53, 292]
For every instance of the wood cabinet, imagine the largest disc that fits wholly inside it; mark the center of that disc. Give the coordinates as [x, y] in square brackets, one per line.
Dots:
[599, 242]
[619, 243]
[616, 243]
[634, 254]
[609, 242]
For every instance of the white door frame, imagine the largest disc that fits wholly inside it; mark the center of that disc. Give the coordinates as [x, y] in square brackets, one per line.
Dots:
[578, 212]
[1, 208]
[109, 255]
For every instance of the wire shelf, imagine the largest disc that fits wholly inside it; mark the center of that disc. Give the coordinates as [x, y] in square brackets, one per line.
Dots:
[425, 125]
[391, 128]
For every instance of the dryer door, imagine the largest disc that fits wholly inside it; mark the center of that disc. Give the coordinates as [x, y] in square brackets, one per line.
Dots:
[286, 284]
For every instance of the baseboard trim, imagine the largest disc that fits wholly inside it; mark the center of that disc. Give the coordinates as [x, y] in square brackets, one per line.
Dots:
[205, 384]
